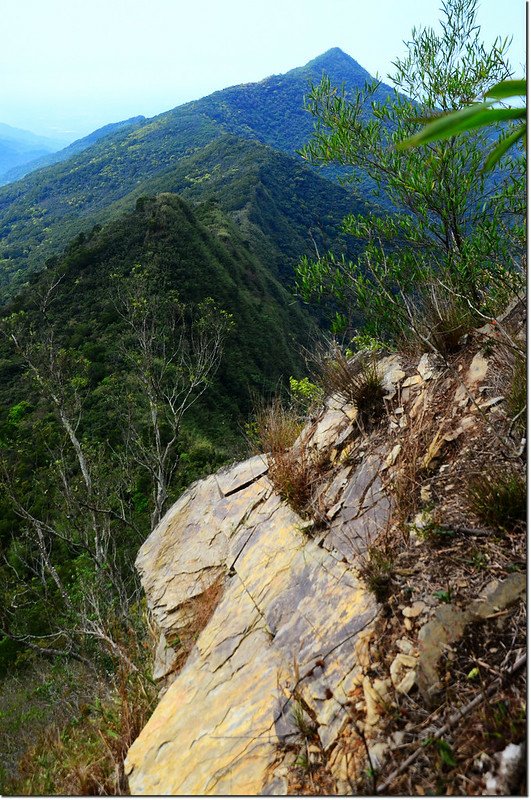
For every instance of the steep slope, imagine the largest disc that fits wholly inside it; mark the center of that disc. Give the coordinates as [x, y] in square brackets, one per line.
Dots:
[89, 182]
[65, 153]
[278, 203]
[282, 208]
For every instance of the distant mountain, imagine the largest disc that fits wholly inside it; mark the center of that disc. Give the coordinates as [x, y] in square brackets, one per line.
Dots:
[66, 152]
[272, 110]
[18, 147]
[44, 209]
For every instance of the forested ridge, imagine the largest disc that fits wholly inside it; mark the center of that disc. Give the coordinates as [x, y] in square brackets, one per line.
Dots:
[197, 255]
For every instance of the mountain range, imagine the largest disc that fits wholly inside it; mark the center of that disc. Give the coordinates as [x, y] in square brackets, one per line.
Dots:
[61, 153]
[18, 148]
[213, 200]
[180, 150]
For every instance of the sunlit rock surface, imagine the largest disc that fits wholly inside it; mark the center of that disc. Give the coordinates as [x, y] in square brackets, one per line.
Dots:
[284, 629]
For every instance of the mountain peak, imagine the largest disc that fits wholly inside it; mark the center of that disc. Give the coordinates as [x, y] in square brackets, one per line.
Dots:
[333, 54]
[338, 65]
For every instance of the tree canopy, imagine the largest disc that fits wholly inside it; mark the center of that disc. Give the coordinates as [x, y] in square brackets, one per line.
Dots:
[450, 231]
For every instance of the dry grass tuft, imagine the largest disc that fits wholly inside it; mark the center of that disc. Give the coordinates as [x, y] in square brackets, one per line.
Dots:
[276, 427]
[294, 466]
[499, 497]
[357, 379]
[446, 320]
[440, 318]
[409, 476]
[377, 570]
[294, 472]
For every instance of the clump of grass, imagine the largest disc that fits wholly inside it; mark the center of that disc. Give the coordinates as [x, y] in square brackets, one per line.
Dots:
[275, 427]
[517, 395]
[443, 319]
[293, 465]
[356, 379]
[302, 721]
[367, 393]
[91, 725]
[293, 472]
[36, 692]
[499, 497]
[377, 571]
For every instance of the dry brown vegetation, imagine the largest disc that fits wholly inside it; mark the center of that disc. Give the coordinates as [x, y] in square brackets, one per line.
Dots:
[442, 319]
[470, 488]
[294, 467]
[84, 755]
[356, 379]
[200, 610]
[93, 715]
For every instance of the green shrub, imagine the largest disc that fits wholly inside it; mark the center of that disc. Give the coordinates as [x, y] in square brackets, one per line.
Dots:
[364, 341]
[448, 217]
[304, 392]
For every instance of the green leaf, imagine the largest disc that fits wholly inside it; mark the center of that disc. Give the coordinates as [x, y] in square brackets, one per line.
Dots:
[466, 119]
[502, 146]
[445, 753]
[505, 89]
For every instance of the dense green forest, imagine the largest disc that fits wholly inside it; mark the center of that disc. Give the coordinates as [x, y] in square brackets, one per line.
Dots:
[281, 207]
[196, 254]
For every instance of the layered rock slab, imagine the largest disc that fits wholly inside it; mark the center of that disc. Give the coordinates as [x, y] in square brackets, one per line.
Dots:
[285, 627]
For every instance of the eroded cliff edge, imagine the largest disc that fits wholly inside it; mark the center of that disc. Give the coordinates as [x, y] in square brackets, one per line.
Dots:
[287, 623]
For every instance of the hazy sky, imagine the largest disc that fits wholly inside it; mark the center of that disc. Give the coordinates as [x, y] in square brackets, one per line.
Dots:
[70, 66]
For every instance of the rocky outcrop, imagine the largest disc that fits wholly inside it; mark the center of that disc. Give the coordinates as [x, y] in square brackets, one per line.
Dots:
[270, 608]
[285, 628]
[284, 631]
